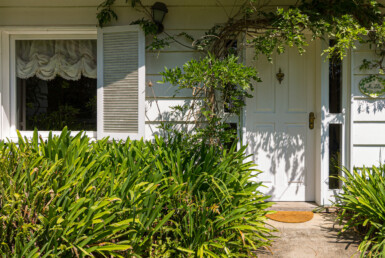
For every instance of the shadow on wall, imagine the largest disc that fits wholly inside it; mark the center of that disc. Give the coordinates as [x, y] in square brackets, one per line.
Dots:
[371, 106]
[371, 110]
[179, 117]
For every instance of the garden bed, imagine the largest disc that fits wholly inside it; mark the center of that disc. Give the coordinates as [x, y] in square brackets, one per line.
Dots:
[68, 196]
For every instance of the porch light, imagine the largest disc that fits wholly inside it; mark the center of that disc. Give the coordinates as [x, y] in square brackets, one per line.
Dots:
[159, 10]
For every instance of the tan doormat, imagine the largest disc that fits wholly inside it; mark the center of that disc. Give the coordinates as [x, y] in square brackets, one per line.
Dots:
[291, 216]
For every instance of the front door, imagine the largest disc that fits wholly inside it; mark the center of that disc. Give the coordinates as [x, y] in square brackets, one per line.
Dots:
[277, 125]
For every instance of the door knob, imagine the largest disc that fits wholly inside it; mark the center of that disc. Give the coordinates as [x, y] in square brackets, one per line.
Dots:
[311, 120]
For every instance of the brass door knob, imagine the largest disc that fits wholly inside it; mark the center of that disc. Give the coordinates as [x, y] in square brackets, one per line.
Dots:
[311, 120]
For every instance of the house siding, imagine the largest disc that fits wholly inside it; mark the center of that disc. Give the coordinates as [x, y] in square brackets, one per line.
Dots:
[367, 115]
[75, 13]
[191, 16]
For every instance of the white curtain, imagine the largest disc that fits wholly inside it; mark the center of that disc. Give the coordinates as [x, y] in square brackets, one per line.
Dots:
[46, 59]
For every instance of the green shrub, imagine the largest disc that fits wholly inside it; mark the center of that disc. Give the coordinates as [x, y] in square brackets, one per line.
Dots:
[71, 197]
[362, 207]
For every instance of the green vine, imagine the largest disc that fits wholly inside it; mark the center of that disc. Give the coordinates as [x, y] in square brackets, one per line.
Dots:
[107, 14]
[267, 32]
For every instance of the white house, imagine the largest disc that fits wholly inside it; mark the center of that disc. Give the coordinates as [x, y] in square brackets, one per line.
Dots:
[109, 71]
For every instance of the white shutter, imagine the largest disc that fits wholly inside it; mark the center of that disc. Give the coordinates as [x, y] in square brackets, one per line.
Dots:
[121, 82]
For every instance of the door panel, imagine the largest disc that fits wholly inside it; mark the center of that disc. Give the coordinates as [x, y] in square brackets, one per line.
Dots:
[277, 129]
[265, 99]
[294, 154]
[264, 144]
[296, 89]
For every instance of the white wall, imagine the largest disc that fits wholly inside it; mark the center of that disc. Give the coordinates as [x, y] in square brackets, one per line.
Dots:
[192, 16]
[187, 15]
[196, 17]
[368, 116]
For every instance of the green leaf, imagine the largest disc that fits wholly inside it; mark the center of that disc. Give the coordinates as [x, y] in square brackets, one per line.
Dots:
[114, 248]
[186, 250]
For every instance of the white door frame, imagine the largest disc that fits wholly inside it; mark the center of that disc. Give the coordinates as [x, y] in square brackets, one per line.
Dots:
[324, 195]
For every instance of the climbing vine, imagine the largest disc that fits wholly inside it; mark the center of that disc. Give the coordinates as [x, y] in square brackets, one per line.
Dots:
[257, 26]
[107, 14]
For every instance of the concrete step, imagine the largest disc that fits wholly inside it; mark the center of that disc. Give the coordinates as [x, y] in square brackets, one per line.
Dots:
[295, 206]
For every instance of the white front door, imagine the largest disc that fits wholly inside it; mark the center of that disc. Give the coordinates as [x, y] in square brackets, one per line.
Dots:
[277, 125]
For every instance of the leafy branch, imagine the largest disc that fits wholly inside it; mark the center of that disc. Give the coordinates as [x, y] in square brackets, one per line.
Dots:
[256, 26]
[206, 78]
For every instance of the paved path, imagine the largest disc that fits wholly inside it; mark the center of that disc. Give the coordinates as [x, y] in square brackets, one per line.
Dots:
[315, 238]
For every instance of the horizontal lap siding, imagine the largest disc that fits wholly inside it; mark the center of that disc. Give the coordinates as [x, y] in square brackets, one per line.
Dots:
[78, 3]
[192, 16]
[368, 116]
[178, 18]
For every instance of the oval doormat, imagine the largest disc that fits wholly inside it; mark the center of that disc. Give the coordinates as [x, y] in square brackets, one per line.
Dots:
[291, 216]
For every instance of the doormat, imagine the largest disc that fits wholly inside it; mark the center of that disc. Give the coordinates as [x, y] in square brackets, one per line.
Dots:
[291, 216]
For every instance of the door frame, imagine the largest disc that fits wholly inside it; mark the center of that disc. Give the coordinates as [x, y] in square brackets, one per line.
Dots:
[324, 195]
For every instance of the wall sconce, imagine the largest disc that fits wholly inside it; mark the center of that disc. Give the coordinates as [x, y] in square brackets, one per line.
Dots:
[159, 10]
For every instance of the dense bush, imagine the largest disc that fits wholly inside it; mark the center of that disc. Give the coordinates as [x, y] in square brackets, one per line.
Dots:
[71, 197]
[362, 208]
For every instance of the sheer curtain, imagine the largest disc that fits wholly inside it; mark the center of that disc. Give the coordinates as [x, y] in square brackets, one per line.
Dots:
[46, 59]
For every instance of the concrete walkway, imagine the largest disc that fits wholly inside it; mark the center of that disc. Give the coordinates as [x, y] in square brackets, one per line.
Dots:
[315, 238]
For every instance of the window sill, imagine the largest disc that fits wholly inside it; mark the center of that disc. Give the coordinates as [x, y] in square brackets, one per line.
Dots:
[44, 134]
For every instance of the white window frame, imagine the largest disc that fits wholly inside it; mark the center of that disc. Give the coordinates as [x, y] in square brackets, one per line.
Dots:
[8, 58]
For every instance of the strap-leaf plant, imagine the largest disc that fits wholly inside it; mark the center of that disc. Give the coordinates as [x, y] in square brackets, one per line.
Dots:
[72, 197]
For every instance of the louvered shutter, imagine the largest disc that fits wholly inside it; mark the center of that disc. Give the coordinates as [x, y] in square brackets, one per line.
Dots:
[121, 82]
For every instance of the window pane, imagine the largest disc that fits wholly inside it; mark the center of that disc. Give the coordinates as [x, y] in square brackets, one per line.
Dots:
[54, 104]
[232, 135]
[335, 148]
[231, 47]
[229, 106]
[335, 84]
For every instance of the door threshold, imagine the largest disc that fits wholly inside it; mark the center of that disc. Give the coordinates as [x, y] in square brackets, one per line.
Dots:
[294, 206]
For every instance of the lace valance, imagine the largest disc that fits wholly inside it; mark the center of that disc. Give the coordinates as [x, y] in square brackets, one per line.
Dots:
[46, 59]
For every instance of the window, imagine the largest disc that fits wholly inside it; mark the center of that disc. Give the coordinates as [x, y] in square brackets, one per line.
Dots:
[229, 106]
[335, 84]
[231, 48]
[56, 85]
[232, 135]
[335, 148]
[84, 78]
[335, 129]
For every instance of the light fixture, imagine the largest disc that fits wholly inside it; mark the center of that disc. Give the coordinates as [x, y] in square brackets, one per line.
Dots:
[159, 10]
